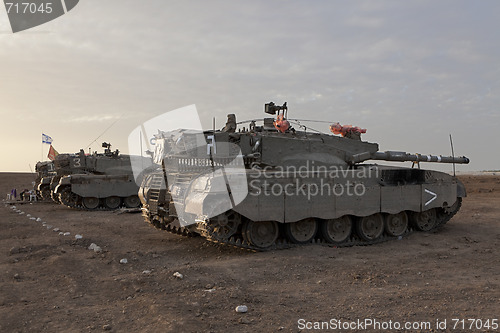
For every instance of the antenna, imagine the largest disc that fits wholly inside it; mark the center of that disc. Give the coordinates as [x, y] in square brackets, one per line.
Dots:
[41, 151]
[31, 169]
[453, 155]
[140, 139]
[105, 131]
[212, 149]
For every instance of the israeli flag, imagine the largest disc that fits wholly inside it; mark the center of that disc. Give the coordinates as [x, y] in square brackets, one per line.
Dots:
[46, 139]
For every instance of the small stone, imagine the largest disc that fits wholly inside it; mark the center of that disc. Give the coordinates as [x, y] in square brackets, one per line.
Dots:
[178, 275]
[241, 309]
[61, 233]
[147, 271]
[39, 219]
[78, 236]
[106, 327]
[66, 234]
[48, 226]
[21, 213]
[14, 250]
[56, 229]
[28, 215]
[97, 249]
[123, 261]
[17, 276]
[245, 321]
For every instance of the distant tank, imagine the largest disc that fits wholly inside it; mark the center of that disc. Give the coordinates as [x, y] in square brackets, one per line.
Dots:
[44, 171]
[265, 187]
[97, 181]
[65, 164]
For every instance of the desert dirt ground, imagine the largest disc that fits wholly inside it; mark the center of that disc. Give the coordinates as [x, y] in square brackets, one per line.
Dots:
[53, 283]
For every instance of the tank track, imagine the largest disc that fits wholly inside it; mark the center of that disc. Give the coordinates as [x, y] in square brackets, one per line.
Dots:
[237, 241]
[98, 209]
[173, 226]
[45, 193]
[76, 203]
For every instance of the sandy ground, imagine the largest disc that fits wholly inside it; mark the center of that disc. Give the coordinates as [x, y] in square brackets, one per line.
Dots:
[51, 282]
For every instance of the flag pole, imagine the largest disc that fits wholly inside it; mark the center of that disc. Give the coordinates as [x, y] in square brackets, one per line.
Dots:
[41, 151]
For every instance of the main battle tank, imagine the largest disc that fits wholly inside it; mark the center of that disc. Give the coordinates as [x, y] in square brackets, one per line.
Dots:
[64, 164]
[44, 172]
[264, 187]
[97, 181]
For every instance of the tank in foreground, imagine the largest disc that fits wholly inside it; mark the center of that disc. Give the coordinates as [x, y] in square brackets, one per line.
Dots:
[264, 187]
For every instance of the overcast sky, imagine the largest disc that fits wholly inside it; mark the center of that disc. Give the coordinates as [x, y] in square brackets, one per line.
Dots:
[411, 72]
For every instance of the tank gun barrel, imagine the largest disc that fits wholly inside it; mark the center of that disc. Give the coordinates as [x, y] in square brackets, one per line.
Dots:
[400, 156]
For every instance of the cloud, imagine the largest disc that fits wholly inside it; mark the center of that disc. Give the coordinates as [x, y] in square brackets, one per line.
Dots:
[365, 22]
[92, 118]
[366, 63]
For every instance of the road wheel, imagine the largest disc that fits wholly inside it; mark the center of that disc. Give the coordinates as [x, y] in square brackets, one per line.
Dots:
[68, 198]
[371, 227]
[301, 232]
[112, 202]
[424, 221]
[338, 230]
[396, 224]
[90, 202]
[261, 234]
[225, 225]
[132, 201]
